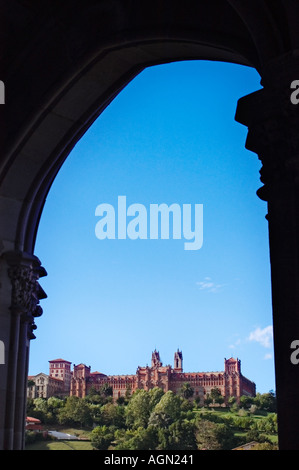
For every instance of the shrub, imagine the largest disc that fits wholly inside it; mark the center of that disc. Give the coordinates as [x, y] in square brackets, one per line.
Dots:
[101, 437]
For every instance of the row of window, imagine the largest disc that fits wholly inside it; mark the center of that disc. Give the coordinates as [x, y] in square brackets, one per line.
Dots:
[61, 366]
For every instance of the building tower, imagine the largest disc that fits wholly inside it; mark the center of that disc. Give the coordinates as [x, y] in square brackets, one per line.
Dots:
[178, 361]
[156, 362]
[61, 369]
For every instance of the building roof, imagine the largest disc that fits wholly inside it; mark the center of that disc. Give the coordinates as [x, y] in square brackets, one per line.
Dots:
[31, 377]
[246, 446]
[59, 379]
[33, 424]
[29, 419]
[60, 360]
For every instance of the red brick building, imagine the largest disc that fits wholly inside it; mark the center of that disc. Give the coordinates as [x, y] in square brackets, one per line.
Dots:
[230, 382]
[61, 369]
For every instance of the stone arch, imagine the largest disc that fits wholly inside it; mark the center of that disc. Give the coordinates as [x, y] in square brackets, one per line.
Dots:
[62, 64]
[42, 133]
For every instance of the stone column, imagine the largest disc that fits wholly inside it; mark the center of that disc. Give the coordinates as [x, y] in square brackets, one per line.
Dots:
[20, 273]
[272, 119]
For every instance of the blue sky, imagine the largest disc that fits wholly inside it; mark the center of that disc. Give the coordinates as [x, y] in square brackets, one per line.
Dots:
[169, 137]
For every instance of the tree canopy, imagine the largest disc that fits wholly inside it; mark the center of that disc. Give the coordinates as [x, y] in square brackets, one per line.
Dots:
[157, 420]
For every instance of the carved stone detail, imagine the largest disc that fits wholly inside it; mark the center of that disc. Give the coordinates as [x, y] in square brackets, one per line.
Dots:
[24, 272]
[273, 121]
[24, 288]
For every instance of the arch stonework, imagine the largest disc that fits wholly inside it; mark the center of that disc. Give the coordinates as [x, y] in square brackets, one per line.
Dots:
[62, 63]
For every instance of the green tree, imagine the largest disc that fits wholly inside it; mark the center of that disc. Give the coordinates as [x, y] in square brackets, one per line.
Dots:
[252, 435]
[167, 410]
[206, 437]
[268, 424]
[95, 413]
[76, 411]
[41, 411]
[54, 405]
[214, 436]
[219, 400]
[243, 422]
[155, 395]
[179, 436]
[112, 415]
[187, 391]
[216, 396]
[106, 390]
[246, 401]
[231, 401]
[136, 439]
[197, 401]
[169, 404]
[101, 437]
[30, 407]
[186, 405]
[160, 420]
[138, 410]
[266, 401]
[40, 404]
[121, 400]
[208, 400]
[225, 436]
[94, 396]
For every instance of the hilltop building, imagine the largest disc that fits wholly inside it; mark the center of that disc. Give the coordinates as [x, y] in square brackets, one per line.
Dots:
[62, 381]
[57, 383]
[45, 386]
[61, 369]
[230, 382]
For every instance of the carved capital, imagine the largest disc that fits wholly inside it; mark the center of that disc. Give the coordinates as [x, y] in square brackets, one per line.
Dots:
[24, 288]
[24, 272]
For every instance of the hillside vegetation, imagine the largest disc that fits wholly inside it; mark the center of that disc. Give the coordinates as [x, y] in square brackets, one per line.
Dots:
[154, 420]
